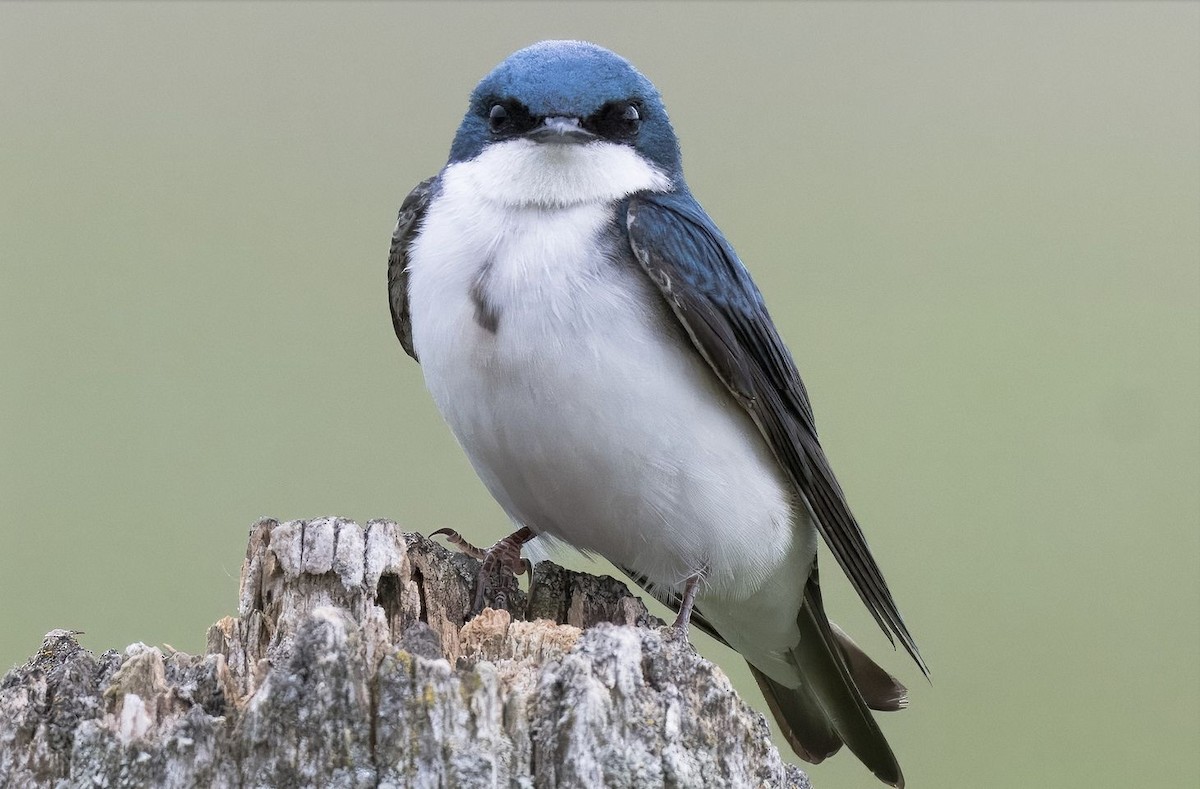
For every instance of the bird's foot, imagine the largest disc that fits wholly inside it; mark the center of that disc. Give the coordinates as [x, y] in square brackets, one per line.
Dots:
[504, 556]
[686, 603]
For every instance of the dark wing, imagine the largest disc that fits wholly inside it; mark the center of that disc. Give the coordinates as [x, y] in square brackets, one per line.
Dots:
[718, 305]
[412, 211]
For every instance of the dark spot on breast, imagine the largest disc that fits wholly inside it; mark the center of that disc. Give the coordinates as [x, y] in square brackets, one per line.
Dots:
[486, 314]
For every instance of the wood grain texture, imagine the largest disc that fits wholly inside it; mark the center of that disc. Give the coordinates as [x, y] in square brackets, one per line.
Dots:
[350, 664]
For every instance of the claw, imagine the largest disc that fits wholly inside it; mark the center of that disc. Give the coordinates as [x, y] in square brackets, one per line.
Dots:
[459, 542]
[504, 555]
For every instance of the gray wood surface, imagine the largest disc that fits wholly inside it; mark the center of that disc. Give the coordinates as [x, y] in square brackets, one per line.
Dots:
[350, 664]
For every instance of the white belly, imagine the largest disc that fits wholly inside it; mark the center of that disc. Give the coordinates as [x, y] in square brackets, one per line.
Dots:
[589, 417]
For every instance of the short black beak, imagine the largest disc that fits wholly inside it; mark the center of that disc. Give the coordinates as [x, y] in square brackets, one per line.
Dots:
[560, 129]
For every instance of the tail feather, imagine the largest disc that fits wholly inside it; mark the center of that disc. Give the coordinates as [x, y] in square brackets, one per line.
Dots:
[800, 718]
[879, 689]
[829, 708]
[799, 713]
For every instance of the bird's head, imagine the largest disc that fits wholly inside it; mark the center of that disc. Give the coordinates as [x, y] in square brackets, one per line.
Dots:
[565, 122]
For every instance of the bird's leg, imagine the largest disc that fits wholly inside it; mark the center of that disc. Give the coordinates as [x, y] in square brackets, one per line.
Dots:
[686, 602]
[504, 555]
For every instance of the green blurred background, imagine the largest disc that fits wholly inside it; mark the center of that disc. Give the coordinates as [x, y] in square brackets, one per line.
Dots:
[978, 226]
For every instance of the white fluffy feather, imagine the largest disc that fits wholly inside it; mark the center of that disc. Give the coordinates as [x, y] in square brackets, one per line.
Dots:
[585, 412]
[522, 172]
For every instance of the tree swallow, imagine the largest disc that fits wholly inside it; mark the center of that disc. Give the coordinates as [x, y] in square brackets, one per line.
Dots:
[610, 369]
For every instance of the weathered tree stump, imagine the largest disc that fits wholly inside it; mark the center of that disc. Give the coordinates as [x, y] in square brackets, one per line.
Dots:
[350, 664]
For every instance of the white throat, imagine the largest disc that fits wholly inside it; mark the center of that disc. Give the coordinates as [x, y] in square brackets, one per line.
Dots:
[527, 173]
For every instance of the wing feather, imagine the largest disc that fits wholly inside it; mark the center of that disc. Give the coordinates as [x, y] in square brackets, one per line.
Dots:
[711, 294]
[412, 211]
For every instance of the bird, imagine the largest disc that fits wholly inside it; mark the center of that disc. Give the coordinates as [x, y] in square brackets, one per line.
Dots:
[610, 369]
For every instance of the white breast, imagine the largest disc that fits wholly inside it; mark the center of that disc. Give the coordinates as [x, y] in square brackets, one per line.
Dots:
[584, 411]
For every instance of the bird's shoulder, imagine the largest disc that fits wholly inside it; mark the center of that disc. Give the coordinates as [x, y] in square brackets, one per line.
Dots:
[408, 224]
[713, 295]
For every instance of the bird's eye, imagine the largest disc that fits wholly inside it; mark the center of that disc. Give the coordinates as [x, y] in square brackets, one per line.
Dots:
[617, 121]
[509, 118]
[498, 118]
